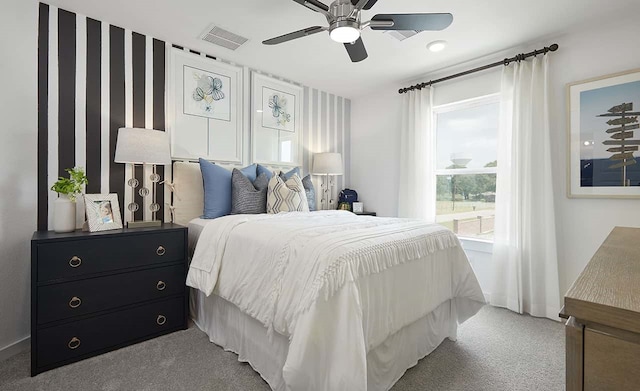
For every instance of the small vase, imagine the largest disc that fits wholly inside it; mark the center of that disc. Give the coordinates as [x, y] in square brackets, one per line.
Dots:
[64, 214]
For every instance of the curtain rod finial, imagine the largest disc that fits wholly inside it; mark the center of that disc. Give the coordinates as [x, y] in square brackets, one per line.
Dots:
[553, 47]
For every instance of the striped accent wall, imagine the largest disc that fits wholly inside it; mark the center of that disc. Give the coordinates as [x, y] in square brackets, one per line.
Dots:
[326, 127]
[94, 78]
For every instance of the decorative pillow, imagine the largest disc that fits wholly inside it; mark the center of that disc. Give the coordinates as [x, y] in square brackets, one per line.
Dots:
[251, 172]
[293, 172]
[286, 196]
[281, 175]
[216, 181]
[264, 170]
[217, 190]
[310, 191]
[247, 197]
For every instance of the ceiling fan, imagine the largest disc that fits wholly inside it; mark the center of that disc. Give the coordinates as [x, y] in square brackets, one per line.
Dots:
[345, 25]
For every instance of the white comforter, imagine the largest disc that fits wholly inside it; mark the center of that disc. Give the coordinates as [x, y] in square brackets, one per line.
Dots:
[299, 273]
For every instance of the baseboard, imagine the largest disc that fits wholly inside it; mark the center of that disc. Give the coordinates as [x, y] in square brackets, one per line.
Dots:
[15, 348]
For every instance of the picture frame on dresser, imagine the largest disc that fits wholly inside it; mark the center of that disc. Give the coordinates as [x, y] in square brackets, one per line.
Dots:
[103, 212]
[276, 121]
[205, 104]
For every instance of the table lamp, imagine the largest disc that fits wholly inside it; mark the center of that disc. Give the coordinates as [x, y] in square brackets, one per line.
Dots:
[327, 163]
[143, 146]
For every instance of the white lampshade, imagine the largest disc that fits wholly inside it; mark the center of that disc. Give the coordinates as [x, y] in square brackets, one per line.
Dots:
[142, 146]
[327, 163]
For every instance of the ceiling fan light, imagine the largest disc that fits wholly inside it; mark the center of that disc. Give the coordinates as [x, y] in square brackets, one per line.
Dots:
[345, 34]
[437, 46]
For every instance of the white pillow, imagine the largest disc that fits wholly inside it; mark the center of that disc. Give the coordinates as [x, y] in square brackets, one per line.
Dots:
[286, 196]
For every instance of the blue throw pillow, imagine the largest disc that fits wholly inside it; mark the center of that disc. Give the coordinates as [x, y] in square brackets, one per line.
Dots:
[217, 190]
[216, 181]
[289, 174]
[264, 170]
[251, 172]
[310, 191]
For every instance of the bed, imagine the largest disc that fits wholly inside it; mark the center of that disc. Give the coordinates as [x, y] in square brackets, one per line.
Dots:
[324, 300]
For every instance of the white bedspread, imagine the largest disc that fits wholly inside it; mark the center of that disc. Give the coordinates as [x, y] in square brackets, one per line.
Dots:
[299, 273]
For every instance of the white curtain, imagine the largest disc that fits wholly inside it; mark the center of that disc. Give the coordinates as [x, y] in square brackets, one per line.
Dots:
[524, 251]
[417, 185]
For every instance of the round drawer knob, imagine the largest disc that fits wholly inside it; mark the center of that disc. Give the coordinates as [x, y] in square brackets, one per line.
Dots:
[161, 320]
[75, 302]
[161, 285]
[75, 261]
[74, 343]
[160, 251]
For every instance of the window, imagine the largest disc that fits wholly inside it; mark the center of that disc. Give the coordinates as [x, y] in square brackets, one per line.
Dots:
[466, 163]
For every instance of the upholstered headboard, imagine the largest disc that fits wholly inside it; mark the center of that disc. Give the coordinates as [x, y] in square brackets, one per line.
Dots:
[188, 194]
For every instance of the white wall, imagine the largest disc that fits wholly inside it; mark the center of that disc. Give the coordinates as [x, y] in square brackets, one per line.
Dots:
[18, 176]
[375, 147]
[582, 224]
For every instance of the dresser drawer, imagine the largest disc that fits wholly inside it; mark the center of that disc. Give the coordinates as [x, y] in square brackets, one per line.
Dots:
[610, 363]
[71, 340]
[74, 258]
[61, 301]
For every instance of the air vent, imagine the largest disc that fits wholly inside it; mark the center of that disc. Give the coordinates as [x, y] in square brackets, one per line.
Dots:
[403, 34]
[221, 37]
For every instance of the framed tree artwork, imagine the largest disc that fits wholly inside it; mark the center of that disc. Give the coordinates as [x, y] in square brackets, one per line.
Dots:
[205, 115]
[604, 136]
[276, 119]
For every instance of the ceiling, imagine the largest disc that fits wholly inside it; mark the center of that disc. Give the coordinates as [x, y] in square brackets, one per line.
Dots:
[480, 27]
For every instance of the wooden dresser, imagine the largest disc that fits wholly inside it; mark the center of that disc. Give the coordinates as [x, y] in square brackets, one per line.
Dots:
[603, 312]
[96, 292]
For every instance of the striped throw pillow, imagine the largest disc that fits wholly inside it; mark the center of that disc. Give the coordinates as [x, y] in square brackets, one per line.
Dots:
[286, 196]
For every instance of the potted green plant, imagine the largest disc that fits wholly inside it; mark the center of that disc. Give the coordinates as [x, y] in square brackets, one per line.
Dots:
[64, 210]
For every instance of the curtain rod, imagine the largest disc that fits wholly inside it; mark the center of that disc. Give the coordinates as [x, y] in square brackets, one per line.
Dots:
[505, 62]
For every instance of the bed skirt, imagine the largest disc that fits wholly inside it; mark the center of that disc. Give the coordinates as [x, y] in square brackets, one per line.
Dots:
[237, 332]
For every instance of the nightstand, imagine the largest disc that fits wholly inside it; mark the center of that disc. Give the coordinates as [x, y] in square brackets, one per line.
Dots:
[366, 214]
[96, 292]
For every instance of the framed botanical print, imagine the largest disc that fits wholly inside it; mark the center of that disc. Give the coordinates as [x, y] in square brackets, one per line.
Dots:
[604, 136]
[276, 119]
[206, 94]
[281, 110]
[205, 115]
[103, 212]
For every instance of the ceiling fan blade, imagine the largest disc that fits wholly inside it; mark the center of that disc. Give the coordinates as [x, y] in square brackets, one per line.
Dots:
[294, 35]
[370, 4]
[419, 22]
[356, 50]
[367, 5]
[313, 3]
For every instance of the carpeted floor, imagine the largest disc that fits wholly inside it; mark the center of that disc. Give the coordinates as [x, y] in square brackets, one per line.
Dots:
[496, 350]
